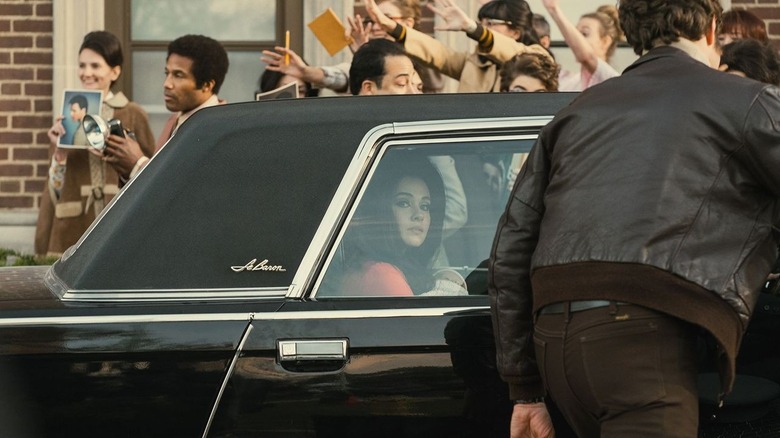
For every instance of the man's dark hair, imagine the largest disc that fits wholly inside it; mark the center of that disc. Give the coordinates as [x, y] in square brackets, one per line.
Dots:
[79, 100]
[209, 59]
[517, 13]
[369, 63]
[647, 23]
[757, 60]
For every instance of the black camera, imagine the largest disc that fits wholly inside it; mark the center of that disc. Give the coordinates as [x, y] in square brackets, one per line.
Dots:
[115, 127]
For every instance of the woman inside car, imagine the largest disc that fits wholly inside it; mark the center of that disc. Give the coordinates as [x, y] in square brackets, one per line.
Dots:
[392, 242]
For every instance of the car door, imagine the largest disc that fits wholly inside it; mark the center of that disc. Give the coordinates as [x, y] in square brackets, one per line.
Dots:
[340, 362]
[119, 370]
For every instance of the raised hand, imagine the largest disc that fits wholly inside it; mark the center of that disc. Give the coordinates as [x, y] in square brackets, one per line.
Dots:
[551, 3]
[275, 60]
[357, 32]
[454, 17]
[379, 17]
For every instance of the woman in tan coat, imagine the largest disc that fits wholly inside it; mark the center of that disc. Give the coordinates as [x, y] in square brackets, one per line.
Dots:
[80, 182]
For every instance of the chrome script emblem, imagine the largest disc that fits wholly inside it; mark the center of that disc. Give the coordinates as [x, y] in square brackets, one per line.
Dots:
[262, 266]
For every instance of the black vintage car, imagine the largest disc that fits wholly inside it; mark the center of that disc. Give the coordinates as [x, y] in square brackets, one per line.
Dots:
[255, 280]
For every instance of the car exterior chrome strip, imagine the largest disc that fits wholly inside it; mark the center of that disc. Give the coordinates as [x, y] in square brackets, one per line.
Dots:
[370, 146]
[228, 375]
[119, 296]
[122, 319]
[421, 127]
[56, 285]
[245, 316]
[337, 209]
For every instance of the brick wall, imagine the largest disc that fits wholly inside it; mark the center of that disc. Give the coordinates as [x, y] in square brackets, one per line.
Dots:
[25, 100]
[767, 10]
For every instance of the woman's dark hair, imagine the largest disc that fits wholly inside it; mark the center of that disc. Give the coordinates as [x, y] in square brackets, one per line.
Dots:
[758, 61]
[269, 80]
[105, 44]
[517, 13]
[373, 233]
[648, 23]
[745, 24]
[533, 65]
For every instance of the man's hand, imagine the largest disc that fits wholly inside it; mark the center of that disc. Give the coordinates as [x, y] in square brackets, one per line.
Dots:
[377, 16]
[531, 421]
[454, 17]
[122, 153]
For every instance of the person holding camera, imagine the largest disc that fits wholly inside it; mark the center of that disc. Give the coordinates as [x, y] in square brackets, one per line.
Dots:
[80, 183]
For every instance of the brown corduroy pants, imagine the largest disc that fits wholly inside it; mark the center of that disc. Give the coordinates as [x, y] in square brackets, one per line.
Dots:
[620, 371]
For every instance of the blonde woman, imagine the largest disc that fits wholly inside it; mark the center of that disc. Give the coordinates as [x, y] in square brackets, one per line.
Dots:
[593, 41]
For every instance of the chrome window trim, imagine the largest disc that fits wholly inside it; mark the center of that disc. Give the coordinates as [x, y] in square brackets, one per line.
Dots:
[371, 146]
[58, 287]
[49, 321]
[336, 209]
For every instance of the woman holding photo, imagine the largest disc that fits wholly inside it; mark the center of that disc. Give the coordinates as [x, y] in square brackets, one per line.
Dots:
[80, 183]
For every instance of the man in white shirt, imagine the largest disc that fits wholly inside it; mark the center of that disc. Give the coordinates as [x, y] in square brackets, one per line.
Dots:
[194, 72]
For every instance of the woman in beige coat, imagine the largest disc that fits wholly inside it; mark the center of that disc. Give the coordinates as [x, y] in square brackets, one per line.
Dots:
[80, 182]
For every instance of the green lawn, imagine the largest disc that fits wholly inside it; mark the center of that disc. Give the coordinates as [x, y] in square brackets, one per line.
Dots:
[10, 257]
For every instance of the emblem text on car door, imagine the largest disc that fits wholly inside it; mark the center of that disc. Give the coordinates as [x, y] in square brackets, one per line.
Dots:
[262, 266]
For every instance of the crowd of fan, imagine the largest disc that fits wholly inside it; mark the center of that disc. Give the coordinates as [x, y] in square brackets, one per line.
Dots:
[512, 53]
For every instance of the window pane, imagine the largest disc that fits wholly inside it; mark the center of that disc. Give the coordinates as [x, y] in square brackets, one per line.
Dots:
[426, 220]
[234, 20]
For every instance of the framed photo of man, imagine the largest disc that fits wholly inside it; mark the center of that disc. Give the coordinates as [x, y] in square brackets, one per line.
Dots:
[75, 105]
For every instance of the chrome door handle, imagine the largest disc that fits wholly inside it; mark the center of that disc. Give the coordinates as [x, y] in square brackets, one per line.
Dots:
[312, 349]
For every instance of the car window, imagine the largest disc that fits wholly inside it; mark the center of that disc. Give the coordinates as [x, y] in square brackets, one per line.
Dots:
[424, 222]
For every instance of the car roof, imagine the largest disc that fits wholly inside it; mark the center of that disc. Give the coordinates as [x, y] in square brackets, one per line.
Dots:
[249, 181]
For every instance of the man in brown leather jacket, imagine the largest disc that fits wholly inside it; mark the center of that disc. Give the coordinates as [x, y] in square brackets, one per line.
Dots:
[642, 218]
